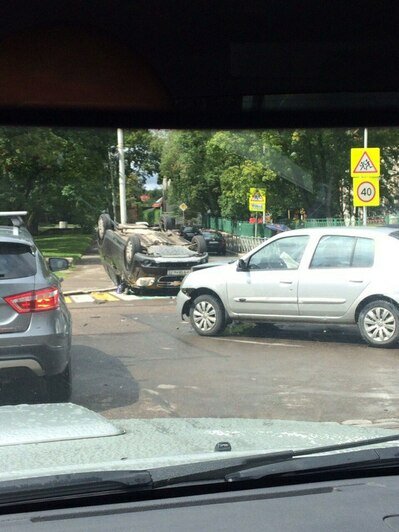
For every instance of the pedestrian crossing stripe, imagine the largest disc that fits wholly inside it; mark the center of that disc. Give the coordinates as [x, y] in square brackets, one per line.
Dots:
[108, 296]
[104, 296]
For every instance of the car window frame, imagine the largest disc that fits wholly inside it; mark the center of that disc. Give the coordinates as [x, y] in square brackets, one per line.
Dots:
[350, 267]
[272, 241]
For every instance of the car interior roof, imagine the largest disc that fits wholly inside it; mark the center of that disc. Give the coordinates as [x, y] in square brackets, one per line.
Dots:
[232, 64]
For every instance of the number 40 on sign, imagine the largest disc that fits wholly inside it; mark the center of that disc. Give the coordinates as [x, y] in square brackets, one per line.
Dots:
[366, 192]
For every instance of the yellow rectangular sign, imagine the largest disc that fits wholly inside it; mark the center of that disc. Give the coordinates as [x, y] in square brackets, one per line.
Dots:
[365, 162]
[257, 199]
[366, 192]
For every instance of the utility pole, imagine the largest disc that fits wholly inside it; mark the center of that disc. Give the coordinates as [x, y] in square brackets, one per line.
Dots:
[364, 207]
[122, 178]
[112, 172]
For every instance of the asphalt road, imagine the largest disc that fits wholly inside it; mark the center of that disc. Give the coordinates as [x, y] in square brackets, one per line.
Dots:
[138, 359]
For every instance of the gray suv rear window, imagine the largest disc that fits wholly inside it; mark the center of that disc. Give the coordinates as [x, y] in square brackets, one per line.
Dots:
[16, 260]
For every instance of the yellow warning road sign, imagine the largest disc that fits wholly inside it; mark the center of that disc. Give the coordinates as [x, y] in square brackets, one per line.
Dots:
[366, 192]
[365, 162]
[183, 207]
[257, 199]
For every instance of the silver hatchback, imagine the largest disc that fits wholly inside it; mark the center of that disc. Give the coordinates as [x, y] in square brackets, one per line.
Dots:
[329, 275]
[35, 323]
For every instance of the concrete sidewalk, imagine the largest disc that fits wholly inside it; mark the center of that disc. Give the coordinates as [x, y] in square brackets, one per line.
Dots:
[88, 274]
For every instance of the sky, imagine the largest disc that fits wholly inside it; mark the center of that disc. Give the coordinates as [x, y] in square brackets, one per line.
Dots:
[151, 183]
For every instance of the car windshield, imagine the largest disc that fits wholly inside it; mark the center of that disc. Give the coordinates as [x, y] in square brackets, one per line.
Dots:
[275, 326]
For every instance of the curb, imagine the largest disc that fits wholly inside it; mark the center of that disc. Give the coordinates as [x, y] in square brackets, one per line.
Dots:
[88, 291]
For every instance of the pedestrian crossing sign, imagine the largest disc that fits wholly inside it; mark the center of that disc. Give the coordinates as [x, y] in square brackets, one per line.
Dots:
[365, 162]
[257, 199]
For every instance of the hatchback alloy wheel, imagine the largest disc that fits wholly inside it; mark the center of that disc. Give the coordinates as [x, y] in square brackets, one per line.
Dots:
[204, 316]
[379, 323]
[207, 315]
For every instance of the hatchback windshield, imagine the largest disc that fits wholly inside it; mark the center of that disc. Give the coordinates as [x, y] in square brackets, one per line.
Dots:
[234, 287]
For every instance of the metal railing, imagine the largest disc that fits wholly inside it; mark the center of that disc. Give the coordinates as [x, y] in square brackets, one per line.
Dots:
[242, 244]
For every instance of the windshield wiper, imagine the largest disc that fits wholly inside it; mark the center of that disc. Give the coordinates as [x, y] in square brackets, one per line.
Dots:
[256, 466]
[348, 461]
[295, 461]
[56, 486]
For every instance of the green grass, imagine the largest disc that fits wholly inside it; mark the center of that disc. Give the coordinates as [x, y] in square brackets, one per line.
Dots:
[66, 245]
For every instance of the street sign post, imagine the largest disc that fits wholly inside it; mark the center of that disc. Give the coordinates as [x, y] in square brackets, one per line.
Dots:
[366, 192]
[365, 163]
[257, 203]
[183, 207]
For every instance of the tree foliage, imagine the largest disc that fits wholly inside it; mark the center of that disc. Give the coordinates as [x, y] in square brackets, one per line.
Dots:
[213, 171]
[66, 174]
[54, 174]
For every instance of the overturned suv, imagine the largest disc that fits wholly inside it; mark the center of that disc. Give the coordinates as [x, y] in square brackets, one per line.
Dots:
[145, 258]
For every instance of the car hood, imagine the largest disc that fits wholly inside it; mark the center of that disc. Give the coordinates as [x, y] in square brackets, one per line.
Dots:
[48, 439]
[202, 276]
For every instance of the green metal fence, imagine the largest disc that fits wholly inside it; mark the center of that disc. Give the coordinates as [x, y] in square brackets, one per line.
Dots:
[238, 228]
[241, 228]
[320, 222]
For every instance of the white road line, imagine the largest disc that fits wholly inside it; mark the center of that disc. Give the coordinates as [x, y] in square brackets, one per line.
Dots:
[270, 344]
[82, 298]
[353, 395]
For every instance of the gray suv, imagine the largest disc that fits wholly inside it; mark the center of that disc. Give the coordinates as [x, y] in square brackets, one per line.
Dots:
[330, 275]
[35, 323]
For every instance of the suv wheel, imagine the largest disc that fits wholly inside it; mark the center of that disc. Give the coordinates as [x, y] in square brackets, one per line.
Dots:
[104, 223]
[207, 315]
[198, 244]
[378, 323]
[59, 387]
[132, 247]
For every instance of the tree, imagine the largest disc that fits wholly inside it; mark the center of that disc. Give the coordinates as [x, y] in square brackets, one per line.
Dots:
[183, 162]
[54, 173]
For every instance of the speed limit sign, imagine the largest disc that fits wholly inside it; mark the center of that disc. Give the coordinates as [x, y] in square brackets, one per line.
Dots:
[366, 192]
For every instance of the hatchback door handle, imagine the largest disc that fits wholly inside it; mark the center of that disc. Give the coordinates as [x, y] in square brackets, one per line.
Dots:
[286, 282]
[358, 281]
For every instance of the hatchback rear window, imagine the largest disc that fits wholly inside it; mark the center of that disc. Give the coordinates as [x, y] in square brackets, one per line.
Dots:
[337, 251]
[16, 260]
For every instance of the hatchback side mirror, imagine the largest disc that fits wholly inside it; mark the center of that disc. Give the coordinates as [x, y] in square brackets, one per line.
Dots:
[242, 265]
[56, 264]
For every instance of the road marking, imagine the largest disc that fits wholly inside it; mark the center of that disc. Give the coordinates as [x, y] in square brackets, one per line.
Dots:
[109, 297]
[270, 344]
[353, 395]
[125, 297]
[82, 298]
[103, 296]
